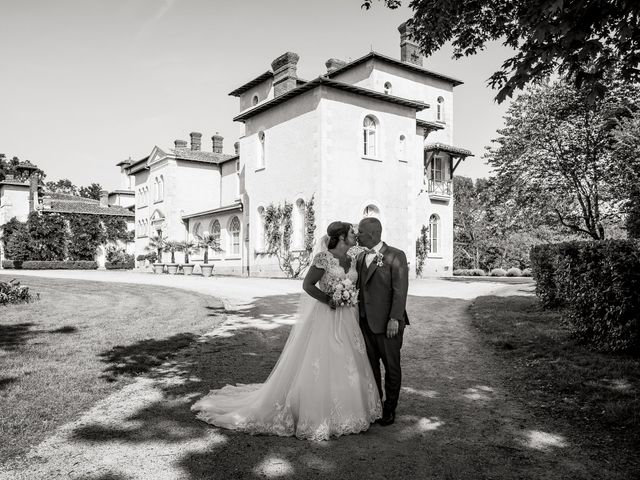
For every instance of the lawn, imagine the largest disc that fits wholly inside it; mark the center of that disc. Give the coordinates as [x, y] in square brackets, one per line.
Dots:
[82, 341]
[594, 394]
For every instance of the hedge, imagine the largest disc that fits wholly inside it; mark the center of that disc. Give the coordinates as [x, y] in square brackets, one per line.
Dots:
[50, 265]
[598, 284]
[119, 265]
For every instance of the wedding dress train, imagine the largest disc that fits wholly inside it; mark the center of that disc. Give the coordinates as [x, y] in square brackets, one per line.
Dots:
[322, 384]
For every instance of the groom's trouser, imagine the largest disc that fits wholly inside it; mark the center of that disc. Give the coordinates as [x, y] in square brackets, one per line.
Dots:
[379, 347]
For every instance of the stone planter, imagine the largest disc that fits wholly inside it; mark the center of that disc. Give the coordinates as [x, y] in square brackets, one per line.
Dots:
[158, 268]
[207, 269]
[187, 269]
[172, 268]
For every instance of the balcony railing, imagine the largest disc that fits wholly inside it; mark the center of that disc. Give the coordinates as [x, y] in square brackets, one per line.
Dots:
[439, 188]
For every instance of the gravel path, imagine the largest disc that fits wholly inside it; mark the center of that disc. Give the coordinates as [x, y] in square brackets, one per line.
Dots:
[455, 420]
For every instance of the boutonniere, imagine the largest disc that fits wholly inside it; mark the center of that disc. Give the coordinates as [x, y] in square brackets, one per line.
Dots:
[378, 259]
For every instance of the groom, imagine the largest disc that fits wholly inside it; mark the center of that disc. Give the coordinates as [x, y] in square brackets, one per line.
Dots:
[383, 279]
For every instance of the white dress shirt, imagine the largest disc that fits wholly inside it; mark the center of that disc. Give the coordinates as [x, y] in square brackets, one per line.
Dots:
[370, 256]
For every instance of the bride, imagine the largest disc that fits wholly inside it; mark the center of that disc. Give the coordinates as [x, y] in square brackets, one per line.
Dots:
[322, 384]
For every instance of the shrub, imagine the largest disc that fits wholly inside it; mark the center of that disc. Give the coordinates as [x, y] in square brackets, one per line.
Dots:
[514, 272]
[599, 284]
[52, 265]
[118, 255]
[13, 292]
[543, 269]
[498, 272]
[18, 245]
[526, 272]
[119, 265]
[477, 272]
[47, 236]
[87, 234]
[461, 272]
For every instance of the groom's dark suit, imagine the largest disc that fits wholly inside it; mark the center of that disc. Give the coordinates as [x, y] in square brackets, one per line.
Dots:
[383, 295]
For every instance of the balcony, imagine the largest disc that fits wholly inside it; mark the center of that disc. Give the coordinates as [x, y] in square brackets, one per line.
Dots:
[439, 190]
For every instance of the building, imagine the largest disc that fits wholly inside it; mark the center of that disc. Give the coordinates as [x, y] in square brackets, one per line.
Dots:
[373, 136]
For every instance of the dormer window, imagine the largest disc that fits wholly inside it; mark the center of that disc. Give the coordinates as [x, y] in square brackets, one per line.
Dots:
[387, 88]
[255, 100]
[440, 110]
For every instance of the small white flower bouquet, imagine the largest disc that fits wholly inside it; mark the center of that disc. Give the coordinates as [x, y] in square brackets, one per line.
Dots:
[344, 293]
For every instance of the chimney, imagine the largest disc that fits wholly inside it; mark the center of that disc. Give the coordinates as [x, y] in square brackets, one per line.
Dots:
[33, 192]
[217, 140]
[180, 143]
[284, 73]
[409, 50]
[236, 147]
[334, 64]
[104, 198]
[196, 140]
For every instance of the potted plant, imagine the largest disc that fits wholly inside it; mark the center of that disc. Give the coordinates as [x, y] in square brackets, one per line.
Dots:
[156, 246]
[187, 247]
[207, 242]
[172, 246]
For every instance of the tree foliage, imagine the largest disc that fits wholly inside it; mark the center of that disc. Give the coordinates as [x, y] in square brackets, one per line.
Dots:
[13, 167]
[422, 249]
[556, 160]
[86, 235]
[90, 191]
[64, 185]
[582, 39]
[47, 236]
[208, 241]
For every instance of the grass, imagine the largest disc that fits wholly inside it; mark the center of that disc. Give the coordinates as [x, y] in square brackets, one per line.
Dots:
[594, 394]
[81, 341]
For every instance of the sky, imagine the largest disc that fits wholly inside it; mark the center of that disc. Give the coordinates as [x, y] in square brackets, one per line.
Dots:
[85, 84]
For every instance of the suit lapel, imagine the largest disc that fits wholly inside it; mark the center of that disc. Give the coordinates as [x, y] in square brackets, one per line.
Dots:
[374, 263]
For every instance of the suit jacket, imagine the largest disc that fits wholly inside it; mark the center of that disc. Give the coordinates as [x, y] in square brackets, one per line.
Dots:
[383, 289]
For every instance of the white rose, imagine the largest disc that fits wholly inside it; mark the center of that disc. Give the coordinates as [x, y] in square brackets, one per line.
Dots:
[345, 295]
[347, 283]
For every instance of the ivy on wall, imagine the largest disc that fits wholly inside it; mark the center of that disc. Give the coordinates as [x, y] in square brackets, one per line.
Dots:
[278, 228]
[116, 228]
[422, 249]
[47, 236]
[86, 234]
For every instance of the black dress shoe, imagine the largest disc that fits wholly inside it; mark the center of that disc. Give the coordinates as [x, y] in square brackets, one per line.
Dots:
[387, 419]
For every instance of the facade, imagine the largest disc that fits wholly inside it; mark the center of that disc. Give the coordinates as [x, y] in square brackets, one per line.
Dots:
[372, 137]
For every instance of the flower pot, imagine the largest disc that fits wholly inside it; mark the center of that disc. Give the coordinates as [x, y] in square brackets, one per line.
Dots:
[187, 269]
[207, 270]
[172, 268]
[158, 267]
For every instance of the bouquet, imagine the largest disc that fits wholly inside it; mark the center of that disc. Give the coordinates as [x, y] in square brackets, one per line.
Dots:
[344, 293]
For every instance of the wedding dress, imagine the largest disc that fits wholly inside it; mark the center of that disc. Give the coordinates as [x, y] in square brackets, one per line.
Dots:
[322, 384]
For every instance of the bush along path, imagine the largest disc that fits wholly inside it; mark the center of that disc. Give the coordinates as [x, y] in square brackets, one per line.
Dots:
[455, 418]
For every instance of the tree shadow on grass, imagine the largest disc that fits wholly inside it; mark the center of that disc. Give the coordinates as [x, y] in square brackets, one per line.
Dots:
[14, 336]
[6, 381]
[451, 422]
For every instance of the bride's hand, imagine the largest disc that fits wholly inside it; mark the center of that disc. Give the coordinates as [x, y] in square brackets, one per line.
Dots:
[332, 304]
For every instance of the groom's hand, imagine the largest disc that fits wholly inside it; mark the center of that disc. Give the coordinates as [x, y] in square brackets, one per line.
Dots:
[392, 327]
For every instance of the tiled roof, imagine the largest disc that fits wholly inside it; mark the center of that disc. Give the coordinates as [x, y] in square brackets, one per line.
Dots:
[63, 203]
[226, 208]
[429, 125]
[200, 155]
[8, 181]
[324, 81]
[251, 83]
[443, 147]
[399, 63]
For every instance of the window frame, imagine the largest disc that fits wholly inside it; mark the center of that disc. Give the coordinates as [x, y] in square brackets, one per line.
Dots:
[370, 136]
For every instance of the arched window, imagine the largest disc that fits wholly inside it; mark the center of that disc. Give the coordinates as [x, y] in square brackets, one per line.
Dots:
[214, 230]
[260, 234]
[261, 150]
[255, 100]
[371, 211]
[155, 189]
[401, 147]
[387, 88]
[298, 225]
[234, 232]
[369, 130]
[434, 234]
[146, 227]
[440, 110]
[197, 230]
[161, 188]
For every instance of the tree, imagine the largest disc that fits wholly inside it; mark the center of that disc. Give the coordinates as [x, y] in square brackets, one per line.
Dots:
[172, 246]
[13, 167]
[17, 243]
[627, 145]
[582, 39]
[157, 244]
[187, 246]
[91, 191]
[555, 158]
[63, 185]
[470, 232]
[208, 241]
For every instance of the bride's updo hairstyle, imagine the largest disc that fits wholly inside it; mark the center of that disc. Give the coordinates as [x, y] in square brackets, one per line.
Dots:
[334, 230]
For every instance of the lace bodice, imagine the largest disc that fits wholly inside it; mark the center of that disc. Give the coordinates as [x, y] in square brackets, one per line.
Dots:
[333, 271]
